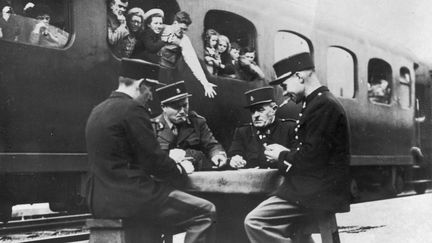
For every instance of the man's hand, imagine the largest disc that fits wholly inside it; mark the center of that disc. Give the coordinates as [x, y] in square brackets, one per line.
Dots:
[209, 90]
[219, 159]
[178, 155]
[187, 166]
[237, 161]
[273, 151]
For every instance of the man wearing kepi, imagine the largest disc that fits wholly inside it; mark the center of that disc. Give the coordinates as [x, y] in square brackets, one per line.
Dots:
[125, 156]
[316, 170]
[247, 146]
[181, 132]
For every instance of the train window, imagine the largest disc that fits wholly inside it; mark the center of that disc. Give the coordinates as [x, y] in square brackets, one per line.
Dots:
[125, 22]
[379, 81]
[404, 94]
[340, 72]
[288, 44]
[43, 23]
[221, 59]
[237, 28]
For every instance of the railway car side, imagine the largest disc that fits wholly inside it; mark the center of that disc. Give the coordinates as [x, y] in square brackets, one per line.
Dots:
[46, 93]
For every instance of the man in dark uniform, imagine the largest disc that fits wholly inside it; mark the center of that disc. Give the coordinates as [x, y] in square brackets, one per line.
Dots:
[247, 147]
[125, 157]
[317, 170]
[184, 133]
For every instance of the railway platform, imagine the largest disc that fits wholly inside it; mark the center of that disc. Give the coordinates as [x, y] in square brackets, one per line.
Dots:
[405, 219]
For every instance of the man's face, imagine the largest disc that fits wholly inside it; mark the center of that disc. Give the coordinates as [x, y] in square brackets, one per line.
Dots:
[294, 87]
[262, 115]
[145, 93]
[135, 23]
[177, 111]
[250, 56]
[180, 28]
[118, 7]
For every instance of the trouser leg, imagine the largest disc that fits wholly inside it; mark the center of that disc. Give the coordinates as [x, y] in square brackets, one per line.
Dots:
[273, 220]
[196, 216]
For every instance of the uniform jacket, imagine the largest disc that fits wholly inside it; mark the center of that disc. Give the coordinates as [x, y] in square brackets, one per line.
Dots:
[248, 141]
[123, 155]
[192, 134]
[319, 176]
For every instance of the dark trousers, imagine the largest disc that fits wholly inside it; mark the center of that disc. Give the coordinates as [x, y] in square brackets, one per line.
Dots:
[273, 220]
[184, 212]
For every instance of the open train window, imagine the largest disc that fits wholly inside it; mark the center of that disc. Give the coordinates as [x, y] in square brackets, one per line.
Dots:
[341, 68]
[379, 81]
[289, 43]
[404, 94]
[231, 28]
[237, 28]
[125, 22]
[43, 23]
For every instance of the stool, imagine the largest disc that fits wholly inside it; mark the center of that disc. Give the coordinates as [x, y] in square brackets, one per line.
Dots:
[121, 231]
[324, 224]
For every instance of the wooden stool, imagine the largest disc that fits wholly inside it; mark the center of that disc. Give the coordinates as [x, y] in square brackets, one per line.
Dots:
[324, 224]
[121, 231]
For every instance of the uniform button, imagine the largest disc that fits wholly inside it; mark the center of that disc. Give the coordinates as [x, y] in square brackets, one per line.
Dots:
[296, 137]
[298, 148]
[298, 121]
[296, 129]
[301, 143]
[304, 105]
[300, 115]
[319, 94]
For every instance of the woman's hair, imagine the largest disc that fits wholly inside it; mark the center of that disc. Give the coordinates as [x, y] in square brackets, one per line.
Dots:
[223, 38]
[208, 34]
[150, 18]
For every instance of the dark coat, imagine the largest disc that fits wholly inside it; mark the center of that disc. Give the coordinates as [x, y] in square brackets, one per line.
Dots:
[319, 176]
[123, 154]
[194, 134]
[148, 46]
[248, 141]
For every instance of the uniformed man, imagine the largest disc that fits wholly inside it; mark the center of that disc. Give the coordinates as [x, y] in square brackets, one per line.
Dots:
[185, 133]
[125, 156]
[247, 147]
[316, 170]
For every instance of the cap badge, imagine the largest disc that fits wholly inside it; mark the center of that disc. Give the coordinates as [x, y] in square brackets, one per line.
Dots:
[252, 98]
[178, 91]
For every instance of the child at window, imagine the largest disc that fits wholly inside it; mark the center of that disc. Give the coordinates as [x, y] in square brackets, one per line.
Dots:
[235, 52]
[211, 55]
[226, 68]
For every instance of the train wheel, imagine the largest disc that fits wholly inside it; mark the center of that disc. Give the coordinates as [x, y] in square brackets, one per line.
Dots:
[420, 188]
[355, 192]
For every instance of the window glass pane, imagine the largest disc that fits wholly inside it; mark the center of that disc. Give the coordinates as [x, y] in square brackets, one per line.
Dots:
[288, 44]
[380, 83]
[42, 23]
[340, 72]
[404, 95]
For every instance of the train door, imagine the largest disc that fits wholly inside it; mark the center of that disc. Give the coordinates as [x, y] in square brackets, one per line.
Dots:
[422, 170]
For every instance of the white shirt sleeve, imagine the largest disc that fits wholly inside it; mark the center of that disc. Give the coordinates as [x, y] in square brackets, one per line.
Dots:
[191, 59]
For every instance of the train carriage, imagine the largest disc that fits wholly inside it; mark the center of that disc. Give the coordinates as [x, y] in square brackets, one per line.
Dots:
[47, 92]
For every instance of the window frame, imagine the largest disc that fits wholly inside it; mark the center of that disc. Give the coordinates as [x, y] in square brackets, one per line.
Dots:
[355, 70]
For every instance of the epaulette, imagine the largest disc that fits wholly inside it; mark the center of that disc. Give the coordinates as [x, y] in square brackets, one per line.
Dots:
[157, 125]
[193, 114]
